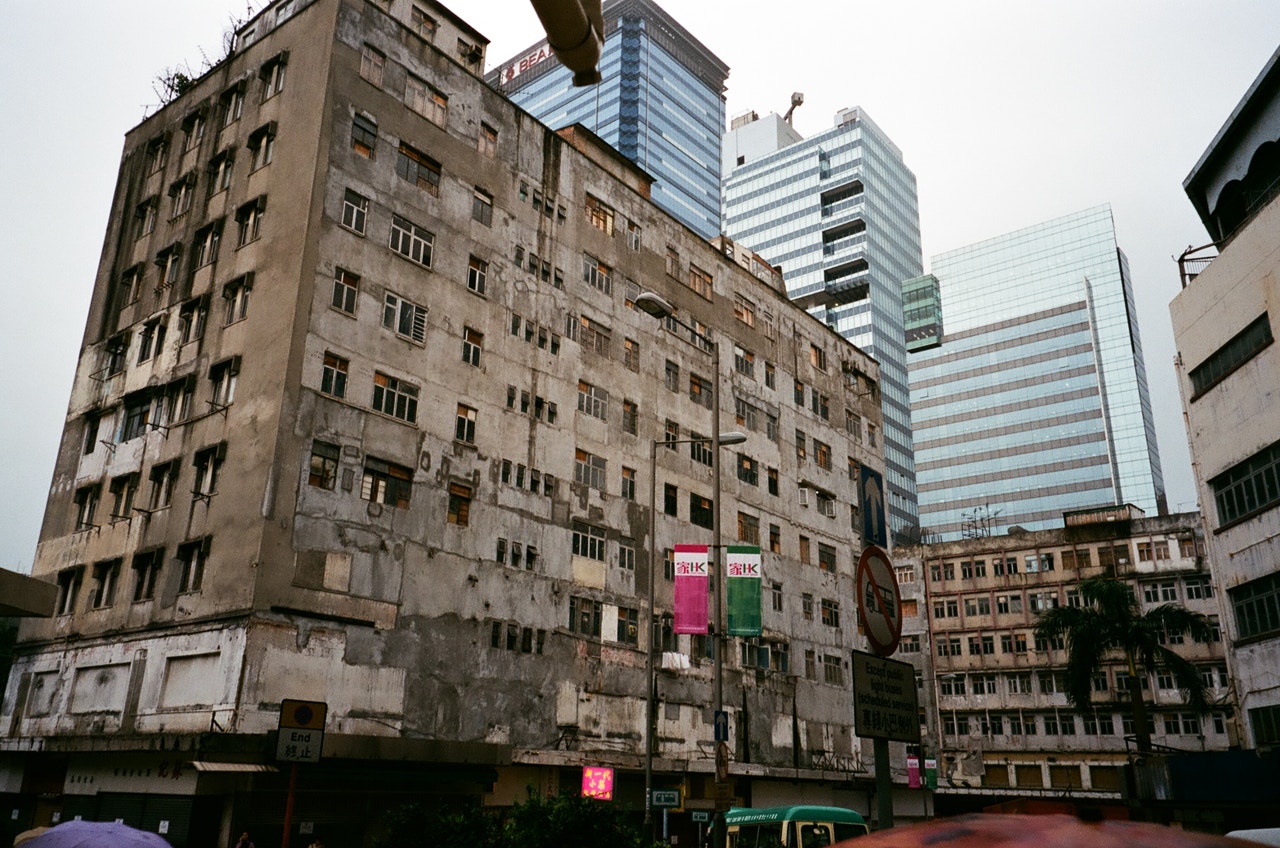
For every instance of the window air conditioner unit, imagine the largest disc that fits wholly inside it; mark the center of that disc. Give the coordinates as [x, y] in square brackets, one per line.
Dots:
[804, 496]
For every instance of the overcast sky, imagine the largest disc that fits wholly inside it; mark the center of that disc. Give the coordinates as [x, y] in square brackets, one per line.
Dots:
[1009, 113]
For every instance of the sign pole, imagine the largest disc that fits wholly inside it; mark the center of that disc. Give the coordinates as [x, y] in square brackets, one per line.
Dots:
[288, 806]
[884, 783]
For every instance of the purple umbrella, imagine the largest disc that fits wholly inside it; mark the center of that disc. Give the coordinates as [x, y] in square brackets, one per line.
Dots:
[87, 834]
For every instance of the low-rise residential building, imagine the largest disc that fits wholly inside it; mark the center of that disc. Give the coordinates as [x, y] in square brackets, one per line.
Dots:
[998, 711]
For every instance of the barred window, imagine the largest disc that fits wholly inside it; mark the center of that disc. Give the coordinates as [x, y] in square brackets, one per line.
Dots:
[405, 318]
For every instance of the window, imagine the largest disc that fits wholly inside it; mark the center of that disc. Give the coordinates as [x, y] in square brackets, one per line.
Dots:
[672, 376]
[323, 473]
[464, 428]
[146, 567]
[1249, 487]
[822, 454]
[163, 478]
[207, 464]
[744, 361]
[748, 529]
[744, 310]
[633, 235]
[69, 580]
[819, 403]
[1257, 606]
[628, 483]
[588, 541]
[236, 294]
[192, 557]
[593, 400]
[700, 448]
[86, 501]
[1197, 588]
[593, 336]
[261, 145]
[151, 339]
[584, 616]
[206, 245]
[631, 354]
[630, 417]
[333, 377]
[408, 320]
[589, 470]
[386, 483]
[157, 154]
[627, 555]
[487, 140]
[459, 504]
[231, 105]
[249, 221]
[272, 76]
[137, 414]
[801, 450]
[770, 376]
[428, 102]
[701, 511]
[671, 433]
[775, 539]
[345, 287]
[372, 63]
[477, 270]
[596, 274]
[817, 357]
[798, 394]
[700, 390]
[422, 23]
[831, 613]
[182, 192]
[169, 261]
[748, 469]
[599, 214]
[482, 207]
[1240, 349]
[145, 215]
[472, 344]
[418, 169]
[395, 397]
[224, 375]
[773, 481]
[411, 241]
[826, 557]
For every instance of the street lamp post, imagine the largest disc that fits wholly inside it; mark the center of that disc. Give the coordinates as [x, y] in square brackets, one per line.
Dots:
[721, 440]
[657, 306]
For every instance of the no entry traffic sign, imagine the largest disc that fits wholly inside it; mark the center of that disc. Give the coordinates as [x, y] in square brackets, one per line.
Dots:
[879, 604]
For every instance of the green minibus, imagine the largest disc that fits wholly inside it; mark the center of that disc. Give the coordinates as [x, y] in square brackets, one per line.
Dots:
[791, 827]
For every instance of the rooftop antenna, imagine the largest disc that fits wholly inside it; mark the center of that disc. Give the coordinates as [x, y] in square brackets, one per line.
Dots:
[797, 97]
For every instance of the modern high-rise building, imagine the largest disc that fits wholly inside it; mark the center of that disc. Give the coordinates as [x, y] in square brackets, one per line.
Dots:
[368, 414]
[660, 103]
[1229, 375]
[837, 212]
[1036, 401]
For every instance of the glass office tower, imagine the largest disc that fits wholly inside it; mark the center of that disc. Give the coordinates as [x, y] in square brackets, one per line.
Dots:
[838, 212]
[660, 103]
[1036, 402]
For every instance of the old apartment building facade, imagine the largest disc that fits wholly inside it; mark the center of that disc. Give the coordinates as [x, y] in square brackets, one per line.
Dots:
[997, 711]
[363, 415]
[1228, 371]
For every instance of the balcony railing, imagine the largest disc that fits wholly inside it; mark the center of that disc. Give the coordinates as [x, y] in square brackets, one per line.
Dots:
[1194, 260]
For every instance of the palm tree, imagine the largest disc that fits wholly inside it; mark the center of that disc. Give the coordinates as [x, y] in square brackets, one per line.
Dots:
[1111, 624]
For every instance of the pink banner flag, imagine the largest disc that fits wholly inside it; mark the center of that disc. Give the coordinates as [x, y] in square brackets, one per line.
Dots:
[693, 571]
[913, 772]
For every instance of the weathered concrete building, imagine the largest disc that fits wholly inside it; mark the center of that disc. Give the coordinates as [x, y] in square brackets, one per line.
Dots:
[997, 709]
[364, 415]
[1229, 372]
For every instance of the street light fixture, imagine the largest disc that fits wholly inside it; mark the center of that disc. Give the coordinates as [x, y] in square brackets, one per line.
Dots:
[655, 305]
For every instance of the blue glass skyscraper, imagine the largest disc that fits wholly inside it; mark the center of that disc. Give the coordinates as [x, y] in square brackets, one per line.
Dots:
[660, 103]
[838, 212]
[1036, 402]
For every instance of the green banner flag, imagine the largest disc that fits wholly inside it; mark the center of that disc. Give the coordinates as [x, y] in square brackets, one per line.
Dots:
[742, 583]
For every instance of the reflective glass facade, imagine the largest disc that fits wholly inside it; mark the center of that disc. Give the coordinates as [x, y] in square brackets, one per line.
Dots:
[838, 212]
[1036, 402]
[660, 103]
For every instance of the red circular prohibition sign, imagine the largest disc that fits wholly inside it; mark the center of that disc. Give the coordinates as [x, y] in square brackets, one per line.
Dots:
[879, 603]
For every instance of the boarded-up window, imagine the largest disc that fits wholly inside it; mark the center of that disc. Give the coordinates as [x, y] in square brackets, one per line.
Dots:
[1105, 778]
[100, 688]
[192, 681]
[1029, 775]
[995, 774]
[1065, 777]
